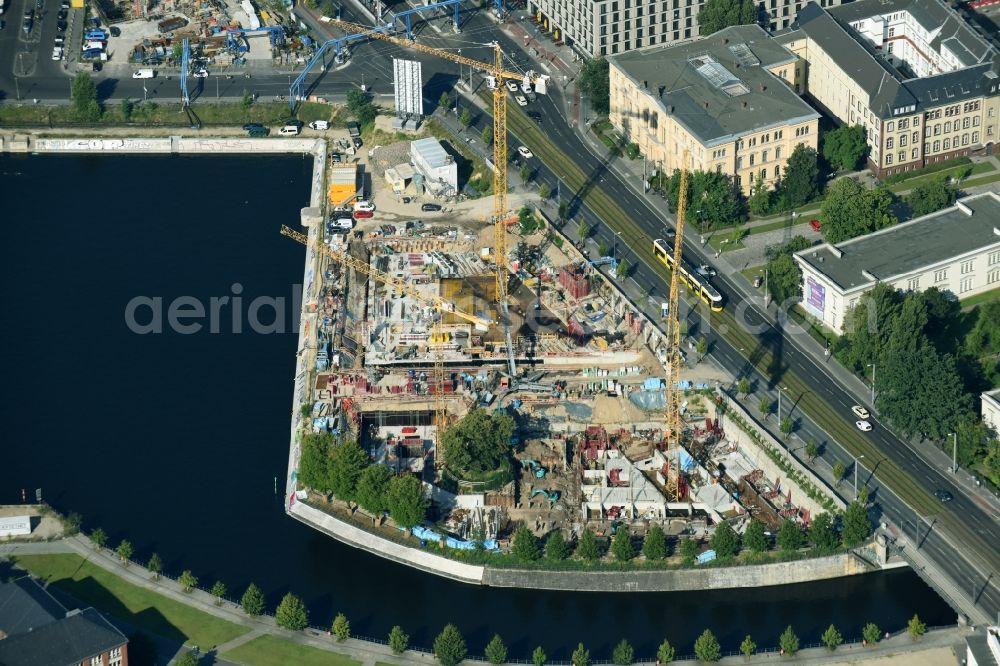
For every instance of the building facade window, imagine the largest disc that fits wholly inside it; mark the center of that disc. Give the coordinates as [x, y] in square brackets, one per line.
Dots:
[992, 277]
[941, 275]
[994, 258]
[967, 266]
[965, 285]
[913, 284]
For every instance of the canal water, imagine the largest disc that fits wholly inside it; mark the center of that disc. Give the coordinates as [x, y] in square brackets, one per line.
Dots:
[174, 439]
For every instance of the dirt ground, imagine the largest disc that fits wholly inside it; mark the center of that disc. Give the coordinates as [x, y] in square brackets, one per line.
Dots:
[43, 525]
[937, 656]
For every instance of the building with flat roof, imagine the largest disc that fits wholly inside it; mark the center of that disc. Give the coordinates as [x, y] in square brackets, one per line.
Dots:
[728, 99]
[923, 83]
[956, 250]
[609, 27]
[439, 169]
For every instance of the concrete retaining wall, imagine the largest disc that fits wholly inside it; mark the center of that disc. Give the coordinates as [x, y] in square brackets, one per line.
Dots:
[174, 144]
[680, 580]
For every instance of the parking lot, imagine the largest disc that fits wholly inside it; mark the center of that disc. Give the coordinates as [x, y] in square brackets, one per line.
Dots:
[42, 27]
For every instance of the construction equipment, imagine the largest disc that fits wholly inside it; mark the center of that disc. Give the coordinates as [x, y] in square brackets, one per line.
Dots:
[185, 67]
[675, 395]
[236, 37]
[496, 75]
[439, 304]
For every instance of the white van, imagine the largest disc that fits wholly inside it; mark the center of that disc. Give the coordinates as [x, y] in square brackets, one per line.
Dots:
[143, 74]
[344, 223]
[94, 45]
[320, 124]
[289, 130]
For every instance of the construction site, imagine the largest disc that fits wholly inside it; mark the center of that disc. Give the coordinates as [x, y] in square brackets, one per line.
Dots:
[419, 323]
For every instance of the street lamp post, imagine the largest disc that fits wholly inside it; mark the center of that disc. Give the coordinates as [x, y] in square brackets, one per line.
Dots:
[856, 459]
[872, 366]
[614, 250]
[954, 453]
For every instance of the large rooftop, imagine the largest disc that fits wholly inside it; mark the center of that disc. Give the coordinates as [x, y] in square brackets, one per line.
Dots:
[970, 225]
[719, 88]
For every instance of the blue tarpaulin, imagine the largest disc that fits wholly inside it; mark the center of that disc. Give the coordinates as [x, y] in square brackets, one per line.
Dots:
[430, 535]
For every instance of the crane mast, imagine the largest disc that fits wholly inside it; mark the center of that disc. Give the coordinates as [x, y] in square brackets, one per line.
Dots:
[674, 394]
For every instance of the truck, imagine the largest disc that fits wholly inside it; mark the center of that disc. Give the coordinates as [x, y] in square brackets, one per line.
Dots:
[355, 131]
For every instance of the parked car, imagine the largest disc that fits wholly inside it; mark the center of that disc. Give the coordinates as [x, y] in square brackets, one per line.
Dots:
[294, 122]
[201, 74]
[289, 130]
[863, 426]
[361, 214]
[61, 26]
[90, 54]
[363, 205]
[62, 15]
[757, 280]
[57, 53]
[258, 132]
[59, 41]
[521, 101]
[144, 73]
[26, 25]
[336, 158]
[943, 495]
[511, 86]
[534, 115]
[524, 152]
[320, 125]
[115, 31]
[252, 126]
[814, 225]
[341, 223]
[860, 412]
[64, 4]
[96, 66]
[430, 208]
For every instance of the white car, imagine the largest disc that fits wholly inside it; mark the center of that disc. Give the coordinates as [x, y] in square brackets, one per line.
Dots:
[364, 206]
[524, 152]
[521, 101]
[860, 412]
[201, 74]
[57, 53]
[289, 130]
[511, 86]
[706, 270]
[863, 426]
[320, 124]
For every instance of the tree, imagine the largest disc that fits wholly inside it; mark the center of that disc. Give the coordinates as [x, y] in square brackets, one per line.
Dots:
[155, 566]
[373, 484]
[124, 551]
[857, 526]
[465, 117]
[621, 546]
[707, 648]
[743, 387]
[812, 450]
[444, 101]
[787, 425]
[341, 628]
[583, 230]
[765, 406]
[930, 197]
[187, 580]
[788, 641]
[594, 82]
[784, 279]
[398, 640]
[314, 464]
[760, 198]
[622, 269]
[654, 545]
[689, 550]
[487, 135]
[406, 501]
[479, 442]
[754, 537]
[724, 541]
[347, 462]
[789, 536]
[623, 654]
[525, 173]
[563, 210]
[581, 656]
[99, 537]
[851, 209]
[800, 183]
[544, 191]
[356, 100]
[449, 646]
[831, 638]
[921, 392]
[496, 651]
[702, 346]
[845, 147]
[719, 201]
[916, 628]
[838, 472]
[84, 95]
[666, 652]
[991, 462]
[822, 534]
[748, 647]
[127, 107]
[525, 546]
[538, 656]
[555, 547]
[587, 548]
[871, 633]
[219, 591]
[252, 601]
[189, 658]
[291, 614]
[718, 14]
[246, 100]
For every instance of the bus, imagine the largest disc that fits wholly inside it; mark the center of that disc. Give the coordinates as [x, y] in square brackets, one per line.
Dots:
[696, 282]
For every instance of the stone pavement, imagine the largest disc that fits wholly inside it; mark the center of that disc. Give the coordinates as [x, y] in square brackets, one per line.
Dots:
[896, 649]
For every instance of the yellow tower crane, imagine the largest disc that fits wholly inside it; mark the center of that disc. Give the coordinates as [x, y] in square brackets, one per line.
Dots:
[674, 394]
[496, 74]
[440, 305]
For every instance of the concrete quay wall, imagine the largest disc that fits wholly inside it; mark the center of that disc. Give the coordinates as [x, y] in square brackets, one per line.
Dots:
[162, 145]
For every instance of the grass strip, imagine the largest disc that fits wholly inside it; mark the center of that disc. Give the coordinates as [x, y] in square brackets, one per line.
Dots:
[981, 167]
[981, 181]
[979, 299]
[144, 608]
[270, 650]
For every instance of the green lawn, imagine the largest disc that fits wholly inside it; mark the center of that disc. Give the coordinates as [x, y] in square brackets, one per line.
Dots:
[979, 299]
[972, 182]
[270, 650]
[982, 167]
[725, 240]
[144, 608]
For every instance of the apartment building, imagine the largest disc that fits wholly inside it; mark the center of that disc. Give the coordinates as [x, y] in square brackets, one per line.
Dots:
[956, 250]
[729, 100]
[923, 84]
[607, 27]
